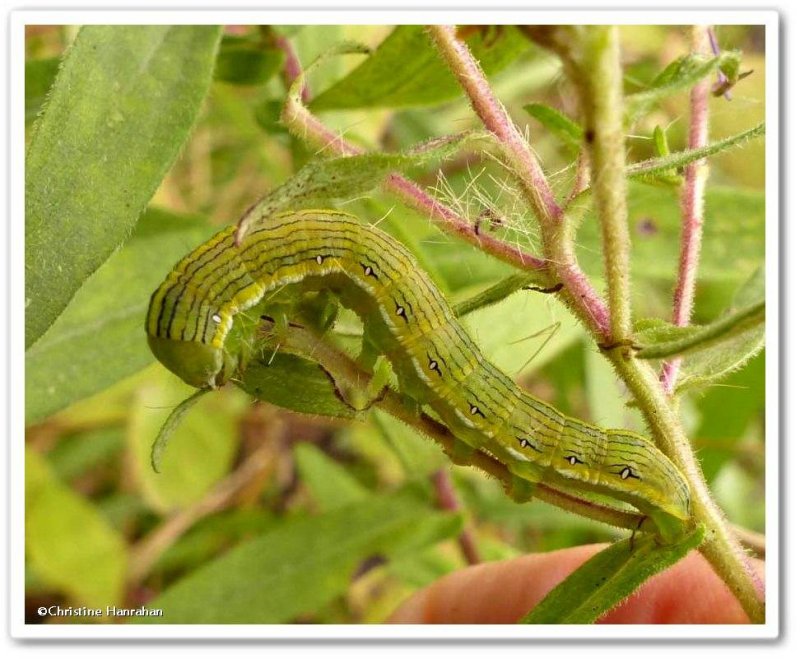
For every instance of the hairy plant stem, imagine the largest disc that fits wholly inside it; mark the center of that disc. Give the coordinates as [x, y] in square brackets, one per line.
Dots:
[720, 547]
[347, 373]
[591, 58]
[304, 125]
[601, 80]
[692, 207]
[578, 293]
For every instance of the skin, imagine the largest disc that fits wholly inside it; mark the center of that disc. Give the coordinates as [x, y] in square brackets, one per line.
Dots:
[502, 592]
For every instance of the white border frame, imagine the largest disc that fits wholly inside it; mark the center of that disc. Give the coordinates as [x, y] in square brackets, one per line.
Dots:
[20, 630]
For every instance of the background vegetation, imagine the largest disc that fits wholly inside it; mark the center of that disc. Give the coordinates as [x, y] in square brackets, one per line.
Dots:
[305, 519]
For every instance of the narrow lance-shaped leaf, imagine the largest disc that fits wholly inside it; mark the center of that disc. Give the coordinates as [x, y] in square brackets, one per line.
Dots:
[667, 340]
[607, 578]
[566, 130]
[170, 425]
[679, 75]
[711, 351]
[118, 113]
[348, 177]
[405, 70]
[304, 563]
[667, 163]
[100, 339]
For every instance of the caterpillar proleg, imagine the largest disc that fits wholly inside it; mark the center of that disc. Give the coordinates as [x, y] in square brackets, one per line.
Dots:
[196, 328]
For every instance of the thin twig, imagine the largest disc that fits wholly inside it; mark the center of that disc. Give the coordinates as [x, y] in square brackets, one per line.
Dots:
[448, 500]
[692, 207]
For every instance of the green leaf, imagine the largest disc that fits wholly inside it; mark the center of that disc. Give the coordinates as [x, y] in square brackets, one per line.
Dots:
[679, 75]
[170, 426]
[100, 339]
[714, 350]
[77, 454]
[406, 71]
[662, 340]
[201, 448]
[660, 141]
[68, 543]
[330, 484]
[608, 578]
[119, 111]
[669, 162]
[247, 63]
[733, 234]
[212, 536]
[500, 291]
[729, 355]
[302, 565]
[39, 76]
[294, 383]
[568, 131]
[350, 176]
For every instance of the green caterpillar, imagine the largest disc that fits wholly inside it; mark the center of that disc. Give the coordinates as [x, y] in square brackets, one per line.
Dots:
[196, 328]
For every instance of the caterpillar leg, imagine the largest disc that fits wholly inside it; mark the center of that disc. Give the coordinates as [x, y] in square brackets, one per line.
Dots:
[520, 489]
[361, 397]
[461, 453]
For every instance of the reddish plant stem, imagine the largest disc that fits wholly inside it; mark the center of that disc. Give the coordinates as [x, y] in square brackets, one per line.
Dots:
[578, 292]
[301, 122]
[494, 116]
[448, 500]
[692, 207]
[291, 66]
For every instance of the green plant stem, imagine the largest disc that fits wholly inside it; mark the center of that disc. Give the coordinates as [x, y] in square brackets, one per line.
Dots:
[599, 56]
[721, 547]
[598, 60]
[345, 372]
[601, 80]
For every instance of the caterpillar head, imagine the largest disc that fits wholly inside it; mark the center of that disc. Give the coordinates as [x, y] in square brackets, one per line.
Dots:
[200, 365]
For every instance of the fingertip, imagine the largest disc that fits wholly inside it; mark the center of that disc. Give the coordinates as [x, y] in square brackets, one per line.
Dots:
[502, 592]
[492, 593]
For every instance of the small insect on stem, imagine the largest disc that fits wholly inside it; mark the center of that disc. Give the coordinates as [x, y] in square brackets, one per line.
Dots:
[623, 343]
[495, 221]
[545, 289]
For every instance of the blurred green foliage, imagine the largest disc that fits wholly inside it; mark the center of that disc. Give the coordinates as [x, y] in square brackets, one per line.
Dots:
[262, 515]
